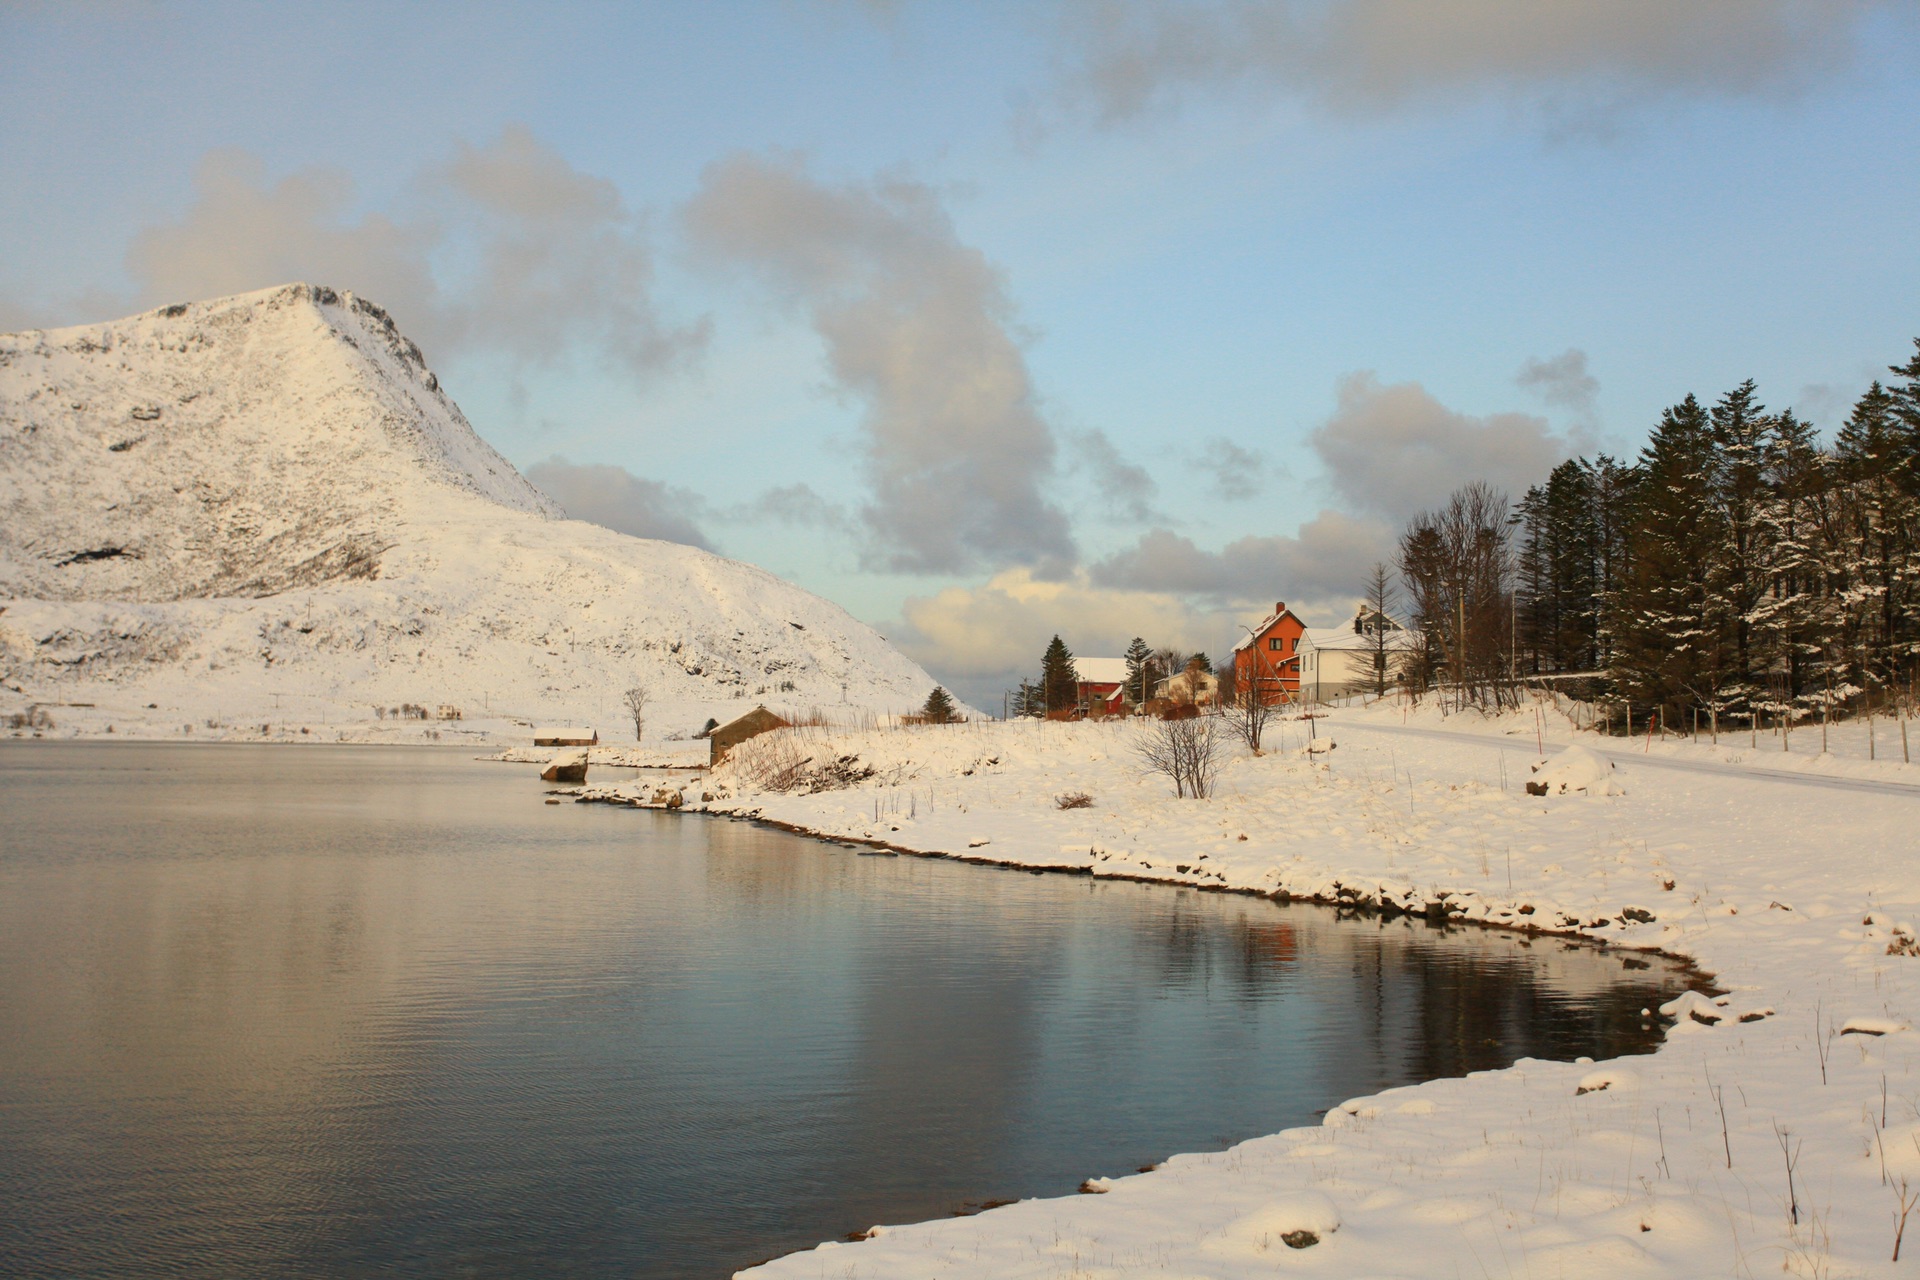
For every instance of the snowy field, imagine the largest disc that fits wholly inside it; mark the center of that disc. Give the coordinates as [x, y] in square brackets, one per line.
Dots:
[1777, 1130]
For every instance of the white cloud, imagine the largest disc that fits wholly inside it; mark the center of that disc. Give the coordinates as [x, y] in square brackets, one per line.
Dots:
[1125, 488]
[556, 264]
[1563, 381]
[244, 232]
[1368, 56]
[621, 501]
[1395, 450]
[1236, 474]
[917, 326]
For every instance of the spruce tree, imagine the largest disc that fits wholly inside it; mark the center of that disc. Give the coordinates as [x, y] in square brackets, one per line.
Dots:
[1794, 612]
[1665, 650]
[1137, 655]
[1875, 460]
[1059, 682]
[1737, 577]
[939, 708]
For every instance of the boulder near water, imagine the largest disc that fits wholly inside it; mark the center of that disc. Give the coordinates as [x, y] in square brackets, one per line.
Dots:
[567, 766]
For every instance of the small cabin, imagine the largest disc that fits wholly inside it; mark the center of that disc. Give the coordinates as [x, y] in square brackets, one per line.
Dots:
[447, 711]
[566, 737]
[734, 732]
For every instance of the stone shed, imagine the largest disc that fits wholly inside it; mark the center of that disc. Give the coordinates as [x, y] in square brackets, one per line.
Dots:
[734, 732]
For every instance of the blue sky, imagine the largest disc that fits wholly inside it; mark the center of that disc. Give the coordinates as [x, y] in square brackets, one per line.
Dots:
[988, 321]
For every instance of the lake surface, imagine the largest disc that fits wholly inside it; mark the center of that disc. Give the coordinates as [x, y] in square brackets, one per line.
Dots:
[337, 1011]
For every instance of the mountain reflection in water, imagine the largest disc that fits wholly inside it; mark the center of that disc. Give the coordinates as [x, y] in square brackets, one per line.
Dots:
[325, 1010]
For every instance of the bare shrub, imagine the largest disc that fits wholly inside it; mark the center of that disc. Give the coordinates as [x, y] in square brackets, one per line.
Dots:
[1185, 750]
[1073, 800]
[780, 761]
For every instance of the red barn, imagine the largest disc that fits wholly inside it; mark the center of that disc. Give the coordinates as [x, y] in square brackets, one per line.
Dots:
[1269, 658]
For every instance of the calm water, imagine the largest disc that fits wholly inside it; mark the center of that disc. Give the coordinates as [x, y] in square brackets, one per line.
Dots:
[335, 1011]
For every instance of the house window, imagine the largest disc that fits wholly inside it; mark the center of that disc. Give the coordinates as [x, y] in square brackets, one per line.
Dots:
[1274, 644]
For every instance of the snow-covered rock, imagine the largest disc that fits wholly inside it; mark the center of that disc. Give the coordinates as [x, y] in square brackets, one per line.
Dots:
[1575, 769]
[264, 507]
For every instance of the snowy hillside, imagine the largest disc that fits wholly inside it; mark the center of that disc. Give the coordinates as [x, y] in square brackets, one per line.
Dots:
[263, 509]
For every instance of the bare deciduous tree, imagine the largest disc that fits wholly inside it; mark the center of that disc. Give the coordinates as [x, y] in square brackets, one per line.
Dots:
[1184, 750]
[635, 701]
[1457, 568]
[1243, 708]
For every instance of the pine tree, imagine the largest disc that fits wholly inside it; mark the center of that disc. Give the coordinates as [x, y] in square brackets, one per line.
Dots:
[1137, 655]
[1059, 682]
[939, 708]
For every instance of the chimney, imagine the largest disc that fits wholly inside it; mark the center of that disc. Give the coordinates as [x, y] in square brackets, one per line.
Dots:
[1279, 606]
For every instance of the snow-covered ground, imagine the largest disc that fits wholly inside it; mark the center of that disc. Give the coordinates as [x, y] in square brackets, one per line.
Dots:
[264, 510]
[1798, 893]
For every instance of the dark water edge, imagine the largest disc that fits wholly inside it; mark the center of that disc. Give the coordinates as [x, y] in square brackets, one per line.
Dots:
[380, 1010]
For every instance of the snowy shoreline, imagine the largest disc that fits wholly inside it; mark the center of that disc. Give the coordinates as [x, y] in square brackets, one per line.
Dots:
[1786, 892]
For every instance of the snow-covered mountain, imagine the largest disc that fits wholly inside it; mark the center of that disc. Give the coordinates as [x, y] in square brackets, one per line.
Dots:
[265, 508]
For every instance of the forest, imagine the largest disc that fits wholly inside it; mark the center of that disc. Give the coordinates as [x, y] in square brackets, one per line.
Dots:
[1739, 567]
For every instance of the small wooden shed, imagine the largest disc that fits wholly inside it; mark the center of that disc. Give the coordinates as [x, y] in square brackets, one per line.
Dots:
[734, 732]
[566, 737]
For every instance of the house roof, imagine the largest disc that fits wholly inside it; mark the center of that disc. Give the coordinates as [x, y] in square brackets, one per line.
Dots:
[1101, 670]
[1266, 625]
[759, 715]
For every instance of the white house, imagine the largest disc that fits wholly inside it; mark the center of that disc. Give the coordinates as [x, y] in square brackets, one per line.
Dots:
[1349, 658]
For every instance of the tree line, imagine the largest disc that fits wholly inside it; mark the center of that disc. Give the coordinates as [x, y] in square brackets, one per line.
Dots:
[1738, 566]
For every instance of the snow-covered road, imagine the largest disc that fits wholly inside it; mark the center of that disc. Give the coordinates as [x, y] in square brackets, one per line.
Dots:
[1628, 758]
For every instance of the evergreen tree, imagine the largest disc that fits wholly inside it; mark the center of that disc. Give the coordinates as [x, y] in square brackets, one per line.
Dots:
[1615, 487]
[1380, 603]
[1059, 681]
[1794, 611]
[1737, 576]
[1664, 649]
[1137, 655]
[939, 708]
[1876, 464]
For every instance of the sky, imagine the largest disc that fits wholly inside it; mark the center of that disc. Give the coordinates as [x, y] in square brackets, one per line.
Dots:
[990, 321]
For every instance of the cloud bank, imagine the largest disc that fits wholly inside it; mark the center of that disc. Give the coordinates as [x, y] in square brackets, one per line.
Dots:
[621, 501]
[1394, 450]
[917, 327]
[1373, 56]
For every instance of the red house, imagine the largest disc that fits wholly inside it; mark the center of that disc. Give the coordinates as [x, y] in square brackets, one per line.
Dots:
[1269, 658]
[1102, 686]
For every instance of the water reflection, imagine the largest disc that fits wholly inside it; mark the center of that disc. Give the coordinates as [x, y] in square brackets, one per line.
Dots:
[334, 1010]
